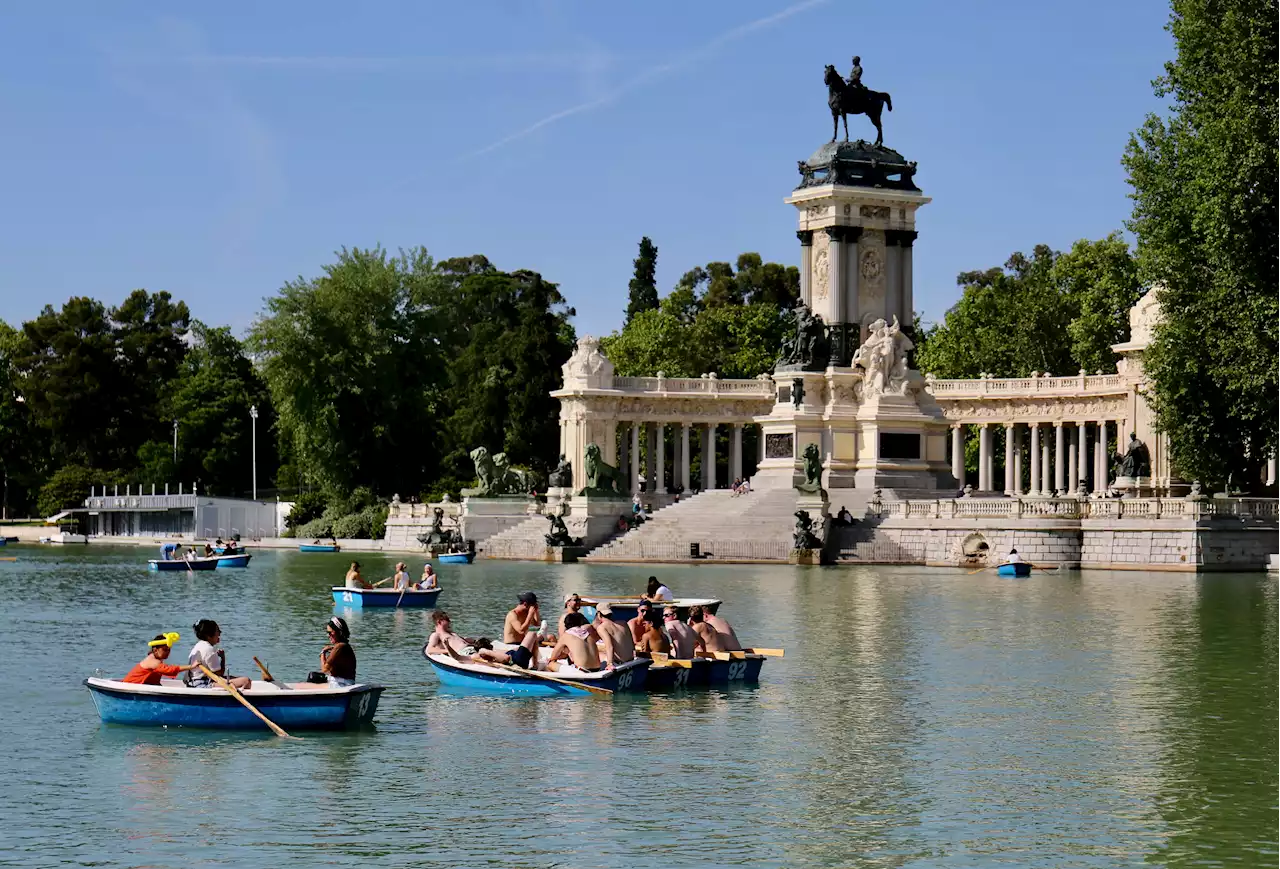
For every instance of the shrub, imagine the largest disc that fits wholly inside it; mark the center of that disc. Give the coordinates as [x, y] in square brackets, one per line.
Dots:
[306, 508]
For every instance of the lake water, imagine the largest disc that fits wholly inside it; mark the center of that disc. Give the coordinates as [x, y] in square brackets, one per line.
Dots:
[920, 718]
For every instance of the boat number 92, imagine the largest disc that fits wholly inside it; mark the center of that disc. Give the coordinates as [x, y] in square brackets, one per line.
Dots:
[737, 669]
[624, 679]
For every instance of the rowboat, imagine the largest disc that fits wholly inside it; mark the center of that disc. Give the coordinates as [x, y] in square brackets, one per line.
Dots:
[665, 675]
[1019, 568]
[241, 560]
[456, 557]
[182, 564]
[484, 679]
[319, 547]
[384, 597]
[292, 706]
[626, 608]
[222, 550]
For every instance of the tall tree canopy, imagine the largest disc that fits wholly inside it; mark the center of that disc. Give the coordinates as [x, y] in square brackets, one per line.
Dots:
[1204, 188]
[642, 292]
[1054, 312]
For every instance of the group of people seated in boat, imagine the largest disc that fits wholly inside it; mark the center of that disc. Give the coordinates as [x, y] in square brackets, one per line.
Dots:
[588, 646]
[208, 660]
[401, 581]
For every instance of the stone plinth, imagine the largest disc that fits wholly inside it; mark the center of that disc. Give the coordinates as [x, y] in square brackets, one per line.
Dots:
[483, 517]
[902, 442]
[593, 518]
[564, 554]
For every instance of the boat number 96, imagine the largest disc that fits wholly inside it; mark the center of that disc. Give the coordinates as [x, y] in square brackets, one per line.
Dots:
[624, 679]
[346, 597]
[363, 707]
[737, 669]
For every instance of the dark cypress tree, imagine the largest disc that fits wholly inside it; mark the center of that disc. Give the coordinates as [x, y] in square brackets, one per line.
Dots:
[643, 289]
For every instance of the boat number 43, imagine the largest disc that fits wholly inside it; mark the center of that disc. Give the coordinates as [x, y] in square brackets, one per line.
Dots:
[363, 706]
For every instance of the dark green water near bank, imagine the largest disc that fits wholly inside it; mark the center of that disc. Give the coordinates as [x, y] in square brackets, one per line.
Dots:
[920, 718]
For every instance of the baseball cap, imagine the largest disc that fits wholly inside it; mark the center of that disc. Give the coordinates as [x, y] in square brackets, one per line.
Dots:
[528, 597]
[604, 609]
[569, 597]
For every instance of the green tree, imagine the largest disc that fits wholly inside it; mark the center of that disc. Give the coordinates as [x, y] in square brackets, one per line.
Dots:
[69, 486]
[18, 449]
[1204, 184]
[150, 332]
[1101, 279]
[643, 290]
[350, 359]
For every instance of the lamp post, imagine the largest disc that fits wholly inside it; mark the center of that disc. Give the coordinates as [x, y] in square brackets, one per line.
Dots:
[253, 415]
[175, 444]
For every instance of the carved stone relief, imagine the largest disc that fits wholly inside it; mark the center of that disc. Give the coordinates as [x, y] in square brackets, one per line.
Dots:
[822, 271]
[875, 212]
[779, 446]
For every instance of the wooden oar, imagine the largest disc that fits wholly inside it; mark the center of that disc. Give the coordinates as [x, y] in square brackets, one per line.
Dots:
[231, 689]
[772, 653]
[12, 558]
[979, 570]
[538, 674]
[266, 674]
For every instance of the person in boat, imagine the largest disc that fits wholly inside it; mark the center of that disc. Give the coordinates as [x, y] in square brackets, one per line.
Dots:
[229, 548]
[218, 542]
[400, 579]
[639, 625]
[208, 551]
[684, 641]
[1013, 557]
[618, 645]
[354, 579]
[654, 641]
[338, 659]
[151, 669]
[711, 641]
[572, 604]
[206, 652]
[724, 630]
[429, 580]
[657, 591]
[316, 542]
[577, 646]
[522, 618]
[443, 641]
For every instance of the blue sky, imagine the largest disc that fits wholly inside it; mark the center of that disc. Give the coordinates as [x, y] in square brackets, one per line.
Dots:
[218, 150]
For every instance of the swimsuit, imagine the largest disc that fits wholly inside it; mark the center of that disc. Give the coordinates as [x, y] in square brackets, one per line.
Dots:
[520, 656]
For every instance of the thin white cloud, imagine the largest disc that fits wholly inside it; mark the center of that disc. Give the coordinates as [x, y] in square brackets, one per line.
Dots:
[651, 74]
[338, 63]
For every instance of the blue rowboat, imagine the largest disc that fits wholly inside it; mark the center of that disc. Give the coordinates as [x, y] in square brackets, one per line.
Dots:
[319, 547]
[626, 608]
[4, 541]
[234, 560]
[671, 674]
[383, 597]
[1020, 568]
[482, 679]
[456, 557]
[294, 707]
[182, 565]
[739, 667]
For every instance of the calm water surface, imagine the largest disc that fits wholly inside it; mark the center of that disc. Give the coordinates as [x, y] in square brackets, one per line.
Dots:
[920, 718]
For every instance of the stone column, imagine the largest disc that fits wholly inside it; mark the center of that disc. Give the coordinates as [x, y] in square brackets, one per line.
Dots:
[660, 478]
[1017, 460]
[634, 453]
[684, 456]
[1082, 450]
[1100, 458]
[708, 456]
[735, 452]
[908, 238]
[1271, 470]
[1034, 459]
[806, 264]
[1073, 452]
[1009, 444]
[651, 452]
[1059, 458]
[852, 307]
[984, 457]
[1046, 468]
[892, 285]
[957, 453]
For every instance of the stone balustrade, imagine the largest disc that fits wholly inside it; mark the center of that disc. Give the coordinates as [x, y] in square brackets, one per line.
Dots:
[710, 385]
[1036, 385]
[1261, 509]
[401, 510]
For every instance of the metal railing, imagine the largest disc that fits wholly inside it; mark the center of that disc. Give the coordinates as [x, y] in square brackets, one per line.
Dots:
[140, 502]
[1265, 509]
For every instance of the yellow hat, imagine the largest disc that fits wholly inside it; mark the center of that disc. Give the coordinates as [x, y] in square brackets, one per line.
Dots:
[170, 639]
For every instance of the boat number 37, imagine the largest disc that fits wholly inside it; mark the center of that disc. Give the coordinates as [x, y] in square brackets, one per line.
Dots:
[737, 670]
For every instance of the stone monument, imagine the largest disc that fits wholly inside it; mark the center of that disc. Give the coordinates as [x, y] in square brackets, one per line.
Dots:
[862, 406]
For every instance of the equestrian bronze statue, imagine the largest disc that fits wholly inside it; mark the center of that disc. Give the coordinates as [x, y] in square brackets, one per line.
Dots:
[853, 98]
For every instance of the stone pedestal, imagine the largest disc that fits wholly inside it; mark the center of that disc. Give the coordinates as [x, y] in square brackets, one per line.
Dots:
[795, 422]
[564, 554]
[594, 518]
[483, 517]
[1134, 487]
[902, 443]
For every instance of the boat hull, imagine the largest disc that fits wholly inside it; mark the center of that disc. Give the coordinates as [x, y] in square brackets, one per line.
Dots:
[1019, 569]
[456, 557]
[171, 704]
[478, 679]
[318, 547]
[745, 669]
[384, 597]
[184, 566]
[233, 560]
[669, 676]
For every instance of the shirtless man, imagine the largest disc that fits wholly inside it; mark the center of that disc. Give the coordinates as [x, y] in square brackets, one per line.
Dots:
[728, 639]
[572, 604]
[640, 624]
[684, 642]
[522, 619]
[654, 640]
[577, 644]
[445, 642]
[619, 647]
[710, 636]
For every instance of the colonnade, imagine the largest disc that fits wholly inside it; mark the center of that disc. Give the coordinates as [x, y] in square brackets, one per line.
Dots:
[653, 477]
[1060, 454]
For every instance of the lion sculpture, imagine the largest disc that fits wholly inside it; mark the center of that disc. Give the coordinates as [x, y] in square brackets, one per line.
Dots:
[602, 478]
[497, 477]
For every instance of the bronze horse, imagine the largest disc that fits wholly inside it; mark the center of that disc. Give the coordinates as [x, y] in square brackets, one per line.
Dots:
[845, 101]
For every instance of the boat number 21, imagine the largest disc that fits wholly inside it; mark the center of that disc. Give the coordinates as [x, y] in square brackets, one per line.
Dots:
[737, 670]
[346, 597]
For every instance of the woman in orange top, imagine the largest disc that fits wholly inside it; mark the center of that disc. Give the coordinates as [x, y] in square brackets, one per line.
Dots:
[150, 669]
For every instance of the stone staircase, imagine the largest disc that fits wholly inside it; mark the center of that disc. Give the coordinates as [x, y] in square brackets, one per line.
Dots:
[758, 526]
[526, 540]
